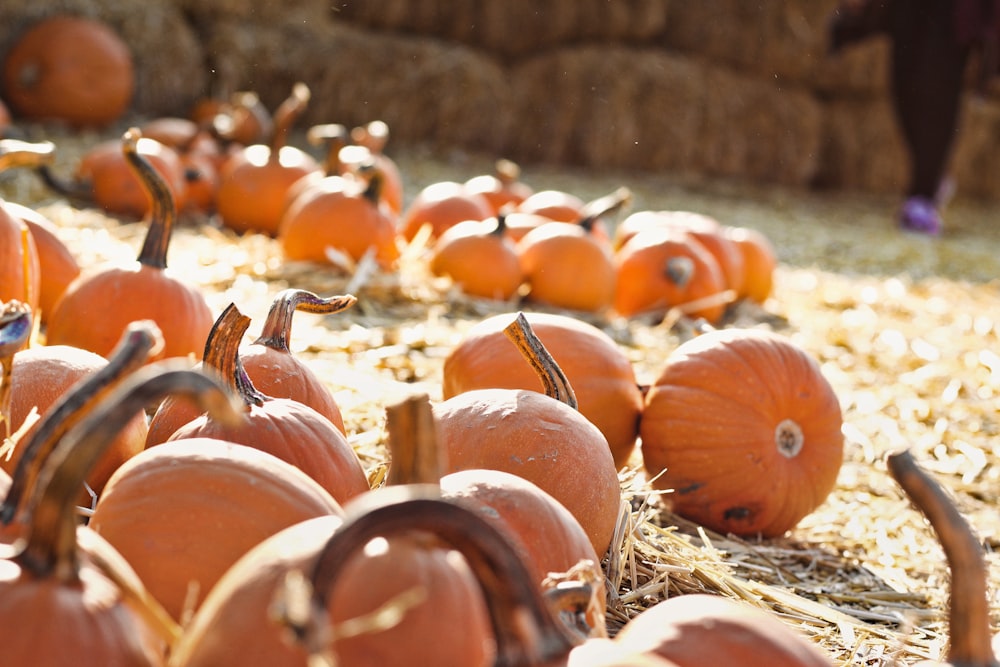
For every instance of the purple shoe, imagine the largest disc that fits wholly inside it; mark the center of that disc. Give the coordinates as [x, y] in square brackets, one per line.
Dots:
[919, 214]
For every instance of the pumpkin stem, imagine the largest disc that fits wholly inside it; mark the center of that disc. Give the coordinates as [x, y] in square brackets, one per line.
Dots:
[604, 206]
[222, 352]
[50, 547]
[16, 153]
[140, 341]
[15, 330]
[414, 454]
[334, 136]
[507, 171]
[554, 381]
[501, 218]
[969, 613]
[525, 628]
[373, 136]
[286, 115]
[376, 182]
[163, 210]
[278, 325]
[75, 190]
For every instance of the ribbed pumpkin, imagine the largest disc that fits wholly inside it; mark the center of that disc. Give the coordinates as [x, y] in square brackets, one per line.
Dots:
[479, 258]
[289, 430]
[601, 375]
[20, 275]
[97, 307]
[57, 265]
[539, 436]
[745, 430]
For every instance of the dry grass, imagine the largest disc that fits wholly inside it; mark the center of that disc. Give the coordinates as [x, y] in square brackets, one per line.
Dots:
[904, 327]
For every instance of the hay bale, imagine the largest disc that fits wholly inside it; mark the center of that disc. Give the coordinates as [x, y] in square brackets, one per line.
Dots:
[513, 28]
[862, 148]
[203, 14]
[426, 91]
[647, 109]
[169, 61]
[975, 162]
[861, 70]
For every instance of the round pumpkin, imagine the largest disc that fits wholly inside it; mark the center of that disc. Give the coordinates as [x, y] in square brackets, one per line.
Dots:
[442, 205]
[479, 258]
[20, 272]
[759, 262]
[503, 187]
[71, 69]
[744, 429]
[57, 265]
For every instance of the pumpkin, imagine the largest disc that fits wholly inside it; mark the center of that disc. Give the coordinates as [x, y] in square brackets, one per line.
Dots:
[15, 332]
[479, 258]
[5, 119]
[46, 380]
[70, 69]
[556, 205]
[541, 437]
[502, 188]
[97, 307]
[57, 265]
[240, 120]
[663, 270]
[343, 214]
[277, 372]
[289, 430]
[254, 182]
[331, 136]
[970, 643]
[759, 262]
[74, 581]
[601, 375]
[442, 205]
[20, 275]
[369, 146]
[744, 429]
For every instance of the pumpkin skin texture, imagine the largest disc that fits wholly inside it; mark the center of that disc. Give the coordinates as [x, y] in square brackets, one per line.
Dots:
[700, 629]
[20, 274]
[57, 266]
[479, 258]
[747, 429]
[71, 69]
[601, 375]
[183, 512]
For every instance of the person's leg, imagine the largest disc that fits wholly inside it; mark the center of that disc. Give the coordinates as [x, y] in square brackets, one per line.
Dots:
[928, 65]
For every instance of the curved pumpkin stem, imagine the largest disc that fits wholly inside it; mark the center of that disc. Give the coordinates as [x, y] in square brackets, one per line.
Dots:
[222, 354]
[278, 325]
[554, 381]
[163, 210]
[609, 204]
[525, 628]
[334, 136]
[286, 115]
[15, 153]
[15, 331]
[140, 341]
[415, 456]
[969, 613]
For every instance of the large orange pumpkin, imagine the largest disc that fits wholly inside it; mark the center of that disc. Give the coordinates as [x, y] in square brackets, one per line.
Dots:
[601, 375]
[745, 430]
[71, 69]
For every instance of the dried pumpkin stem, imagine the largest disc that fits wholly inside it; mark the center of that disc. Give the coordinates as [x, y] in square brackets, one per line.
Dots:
[222, 352]
[15, 153]
[278, 325]
[140, 341]
[15, 330]
[525, 628]
[163, 210]
[334, 136]
[607, 205]
[415, 454]
[286, 115]
[969, 613]
[554, 381]
[51, 546]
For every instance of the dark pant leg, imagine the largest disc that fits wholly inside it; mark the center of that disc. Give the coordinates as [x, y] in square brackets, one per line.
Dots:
[928, 64]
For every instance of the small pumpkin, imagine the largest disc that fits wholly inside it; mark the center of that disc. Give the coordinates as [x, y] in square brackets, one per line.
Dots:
[254, 182]
[744, 429]
[760, 261]
[601, 374]
[442, 205]
[70, 69]
[502, 188]
[369, 142]
[239, 120]
[97, 307]
[479, 258]
[557, 205]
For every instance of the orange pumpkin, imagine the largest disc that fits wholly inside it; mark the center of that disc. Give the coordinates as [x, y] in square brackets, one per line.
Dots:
[342, 213]
[289, 430]
[479, 258]
[442, 205]
[660, 269]
[744, 429]
[57, 265]
[759, 262]
[601, 375]
[15, 332]
[538, 436]
[503, 187]
[240, 120]
[20, 274]
[254, 182]
[556, 205]
[97, 307]
[369, 146]
[71, 69]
